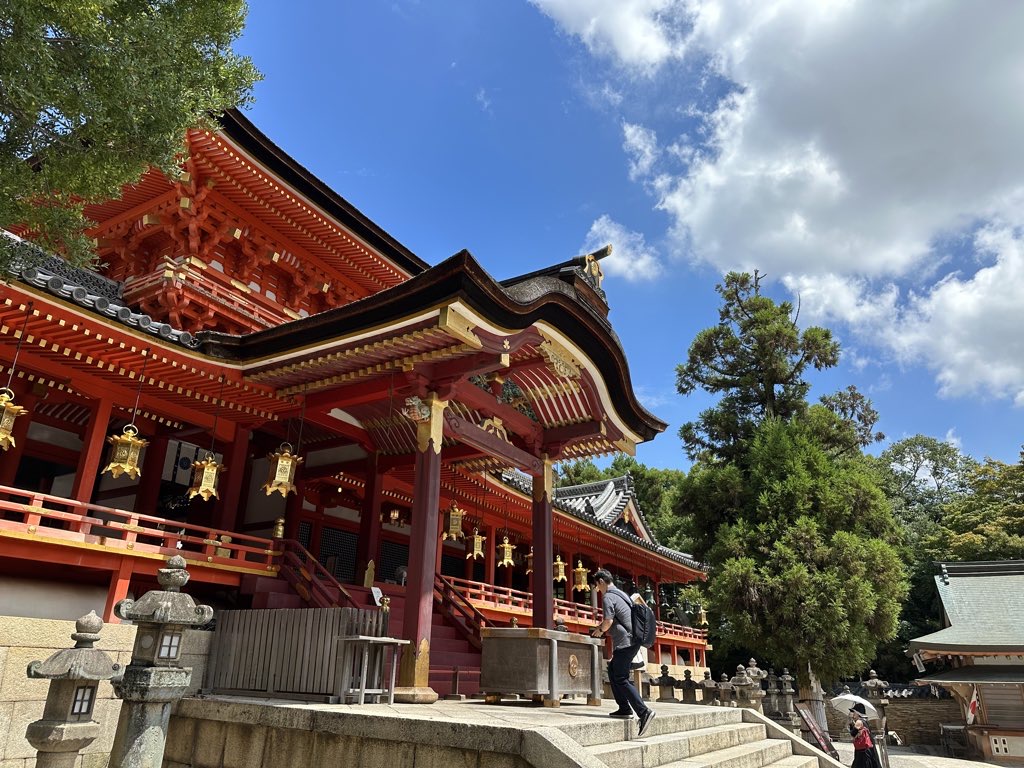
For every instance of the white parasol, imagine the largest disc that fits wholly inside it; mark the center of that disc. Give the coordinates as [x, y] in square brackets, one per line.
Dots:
[845, 702]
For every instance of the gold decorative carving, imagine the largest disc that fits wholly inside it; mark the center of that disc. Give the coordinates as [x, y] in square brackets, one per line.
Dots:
[429, 419]
[458, 326]
[544, 484]
[496, 427]
[593, 267]
[574, 665]
[559, 359]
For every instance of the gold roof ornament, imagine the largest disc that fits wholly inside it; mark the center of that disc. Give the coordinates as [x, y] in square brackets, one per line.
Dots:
[579, 578]
[559, 569]
[124, 455]
[505, 553]
[205, 474]
[475, 545]
[8, 413]
[453, 517]
[281, 473]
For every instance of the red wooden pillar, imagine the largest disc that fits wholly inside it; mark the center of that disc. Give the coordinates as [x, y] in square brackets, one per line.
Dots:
[423, 545]
[234, 480]
[468, 571]
[293, 506]
[368, 546]
[148, 493]
[92, 451]
[543, 593]
[657, 600]
[119, 583]
[12, 458]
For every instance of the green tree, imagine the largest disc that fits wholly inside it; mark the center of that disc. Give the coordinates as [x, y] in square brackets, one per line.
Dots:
[781, 502]
[577, 472]
[987, 523]
[94, 92]
[804, 572]
[756, 358]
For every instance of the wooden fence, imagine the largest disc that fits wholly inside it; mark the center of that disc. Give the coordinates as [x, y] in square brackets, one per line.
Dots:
[289, 653]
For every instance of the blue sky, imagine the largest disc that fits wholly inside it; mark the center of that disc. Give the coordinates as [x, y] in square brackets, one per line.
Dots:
[865, 156]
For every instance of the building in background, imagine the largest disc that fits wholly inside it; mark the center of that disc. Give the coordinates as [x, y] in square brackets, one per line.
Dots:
[982, 649]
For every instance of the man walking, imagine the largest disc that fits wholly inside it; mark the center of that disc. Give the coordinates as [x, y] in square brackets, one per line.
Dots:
[618, 619]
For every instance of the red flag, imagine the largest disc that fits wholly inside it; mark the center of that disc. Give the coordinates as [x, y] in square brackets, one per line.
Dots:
[973, 707]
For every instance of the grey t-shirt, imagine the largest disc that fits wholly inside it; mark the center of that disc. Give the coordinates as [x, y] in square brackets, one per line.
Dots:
[617, 608]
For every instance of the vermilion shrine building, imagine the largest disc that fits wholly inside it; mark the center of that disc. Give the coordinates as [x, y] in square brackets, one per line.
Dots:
[244, 305]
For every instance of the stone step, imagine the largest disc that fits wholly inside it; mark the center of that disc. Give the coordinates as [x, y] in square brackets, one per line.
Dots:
[605, 731]
[796, 761]
[663, 748]
[756, 754]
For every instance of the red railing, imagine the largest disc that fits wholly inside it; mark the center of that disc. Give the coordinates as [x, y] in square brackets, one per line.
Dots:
[488, 596]
[313, 583]
[463, 613]
[54, 517]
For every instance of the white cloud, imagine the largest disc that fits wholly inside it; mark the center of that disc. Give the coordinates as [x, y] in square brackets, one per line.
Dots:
[857, 136]
[631, 257]
[641, 145]
[484, 100]
[641, 34]
[952, 438]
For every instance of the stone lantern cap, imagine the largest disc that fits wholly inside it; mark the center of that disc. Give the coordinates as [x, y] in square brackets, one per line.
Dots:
[167, 606]
[83, 662]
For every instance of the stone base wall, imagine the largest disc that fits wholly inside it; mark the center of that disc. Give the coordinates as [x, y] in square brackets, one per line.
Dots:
[235, 733]
[23, 640]
[915, 720]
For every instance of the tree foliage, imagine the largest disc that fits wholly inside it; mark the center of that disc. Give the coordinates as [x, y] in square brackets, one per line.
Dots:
[781, 503]
[756, 358]
[987, 522]
[803, 570]
[94, 92]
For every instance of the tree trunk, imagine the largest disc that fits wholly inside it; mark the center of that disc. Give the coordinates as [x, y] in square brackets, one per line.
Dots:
[812, 694]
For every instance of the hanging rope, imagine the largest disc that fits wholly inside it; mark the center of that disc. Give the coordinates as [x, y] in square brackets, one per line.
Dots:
[17, 350]
[138, 392]
[302, 423]
[216, 414]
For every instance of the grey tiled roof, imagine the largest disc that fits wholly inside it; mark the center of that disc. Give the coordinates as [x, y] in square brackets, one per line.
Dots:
[984, 603]
[88, 290]
[601, 504]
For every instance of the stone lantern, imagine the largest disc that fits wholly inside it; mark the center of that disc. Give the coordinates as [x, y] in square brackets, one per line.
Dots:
[155, 678]
[67, 726]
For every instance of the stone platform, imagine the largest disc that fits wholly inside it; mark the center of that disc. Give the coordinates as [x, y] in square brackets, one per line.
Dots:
[228, 732]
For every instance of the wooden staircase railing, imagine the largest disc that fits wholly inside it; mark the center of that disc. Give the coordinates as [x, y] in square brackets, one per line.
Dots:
[462, 613]
[313, 583]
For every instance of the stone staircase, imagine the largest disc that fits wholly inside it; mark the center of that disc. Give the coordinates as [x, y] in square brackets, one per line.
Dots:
[713, 737]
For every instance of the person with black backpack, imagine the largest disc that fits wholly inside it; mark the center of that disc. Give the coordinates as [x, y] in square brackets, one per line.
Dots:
[629, 630]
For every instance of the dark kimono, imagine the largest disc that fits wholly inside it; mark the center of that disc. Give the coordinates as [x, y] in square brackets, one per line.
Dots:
[864, 754]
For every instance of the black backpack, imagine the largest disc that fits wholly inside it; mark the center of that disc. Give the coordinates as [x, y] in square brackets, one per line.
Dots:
[644, 627]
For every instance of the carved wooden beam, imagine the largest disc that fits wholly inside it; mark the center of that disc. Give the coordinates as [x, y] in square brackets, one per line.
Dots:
[490, 444]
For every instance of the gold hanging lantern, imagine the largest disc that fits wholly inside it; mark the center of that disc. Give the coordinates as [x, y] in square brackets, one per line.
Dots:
[281, 475]
[559, 568]
[205, 474]
[395, 517]
[579, 578]
[124, 456]
[505, 553]
[8, 413]
[453, 523]
[529, 562]
[8, 410]
[702, 616]
[475, 548]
